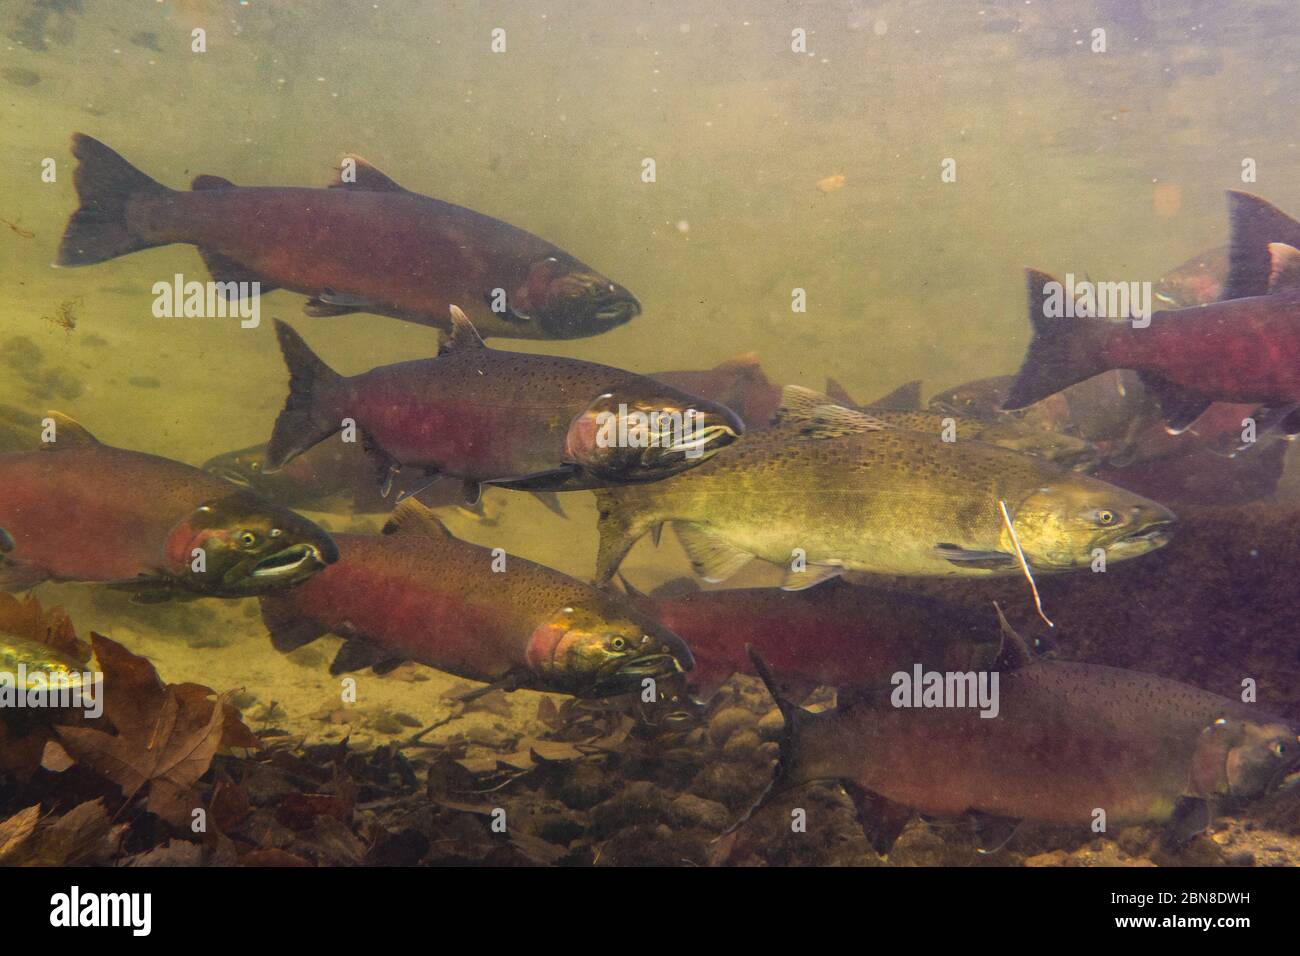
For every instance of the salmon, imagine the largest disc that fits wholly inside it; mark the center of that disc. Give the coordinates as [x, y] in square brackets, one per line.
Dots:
[364, 244]
[486, 415]
[416, 593]
[80, 510]
[1068, 741]
[1243, 349]
[840, 635]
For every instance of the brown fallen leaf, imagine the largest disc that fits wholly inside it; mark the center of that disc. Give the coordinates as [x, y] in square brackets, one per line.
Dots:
[166, 734]
[16, 831]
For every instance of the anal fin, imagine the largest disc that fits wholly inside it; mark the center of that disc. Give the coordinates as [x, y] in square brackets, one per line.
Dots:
[882, 819]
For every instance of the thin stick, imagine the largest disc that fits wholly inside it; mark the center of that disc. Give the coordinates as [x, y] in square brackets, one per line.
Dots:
[1024, 565]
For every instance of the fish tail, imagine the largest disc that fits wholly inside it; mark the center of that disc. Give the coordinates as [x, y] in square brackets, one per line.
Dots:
[106, 184]
[304, 421]
[794, 716]
[620, 525]
[1064, 350]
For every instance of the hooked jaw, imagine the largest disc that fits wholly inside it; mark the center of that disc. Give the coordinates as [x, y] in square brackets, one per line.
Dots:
[296, 562]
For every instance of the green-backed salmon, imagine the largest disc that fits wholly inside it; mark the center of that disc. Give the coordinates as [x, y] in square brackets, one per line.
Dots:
[829, 490]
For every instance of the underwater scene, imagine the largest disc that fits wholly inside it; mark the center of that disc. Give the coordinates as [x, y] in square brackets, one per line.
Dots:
[719, 434]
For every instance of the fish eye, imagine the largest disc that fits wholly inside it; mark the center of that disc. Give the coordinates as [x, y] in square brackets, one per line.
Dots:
[1278, 748]
[617, 643]
[1105, 517]
[255, 466]
[247, 539]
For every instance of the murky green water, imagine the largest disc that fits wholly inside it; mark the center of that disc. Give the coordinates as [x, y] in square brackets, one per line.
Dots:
[1111, 164]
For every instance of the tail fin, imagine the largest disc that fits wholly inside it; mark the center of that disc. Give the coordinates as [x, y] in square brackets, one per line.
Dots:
[1255, 223]
[106, 184]
[303, 422]
[620, 525]
[794, 716]
[1062, 352]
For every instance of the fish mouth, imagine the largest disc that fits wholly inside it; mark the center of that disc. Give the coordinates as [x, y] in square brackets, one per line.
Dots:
[616, 313]
[291, 562]
[704, 441]
[230, 474]
[629, 674]
[1154, 535]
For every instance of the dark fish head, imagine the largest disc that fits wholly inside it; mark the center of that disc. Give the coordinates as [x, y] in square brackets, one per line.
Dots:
[648, 435]
[1064, 524]
[1246, 758]
[243, 467]
[242, 545]
[570, 301]
[603, 649]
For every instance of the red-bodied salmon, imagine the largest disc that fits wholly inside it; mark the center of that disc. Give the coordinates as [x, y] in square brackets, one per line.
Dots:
[79, 510]
[1063, 741]
[840, 635]
[364, 244]
[1242, 349]
[415, 593]
[483, 415]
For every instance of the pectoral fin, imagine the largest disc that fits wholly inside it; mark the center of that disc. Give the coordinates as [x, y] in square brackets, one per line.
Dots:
[518, 679]
[1192, 817]
[1180, 406]
[318, 308]
[713, 558]
[963, 557]
[19, 576]
[992, 833]
[288, 631]
[553, 479]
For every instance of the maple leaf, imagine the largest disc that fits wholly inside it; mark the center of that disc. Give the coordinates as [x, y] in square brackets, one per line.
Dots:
[166, 734]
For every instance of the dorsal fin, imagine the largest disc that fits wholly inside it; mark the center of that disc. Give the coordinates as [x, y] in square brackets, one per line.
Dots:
[463, 334]
[1255, 223]
[206, 181]
[413, 518]
[819, 417]
[905, 398]
[676, 588]
[1014, 652]
[363, 176]
[839, 393]
[68, 433]
[745, 364]
[1284, 273]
